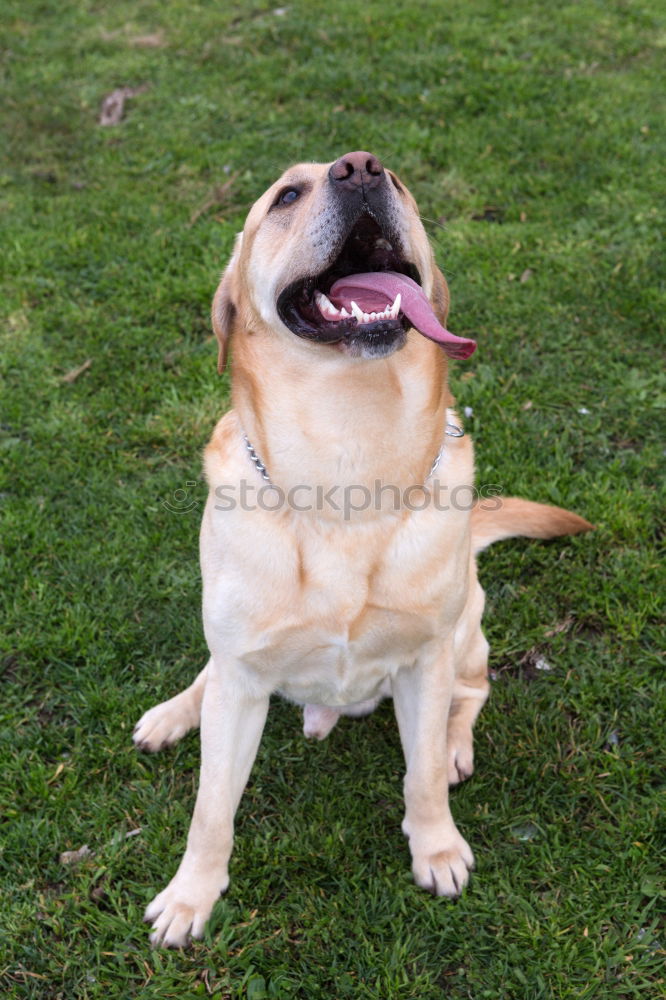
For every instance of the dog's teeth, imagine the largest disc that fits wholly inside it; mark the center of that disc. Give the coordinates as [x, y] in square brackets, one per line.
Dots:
[326, 307]
[356, 312]
[383, 244]
[345, 314]
[395, 308]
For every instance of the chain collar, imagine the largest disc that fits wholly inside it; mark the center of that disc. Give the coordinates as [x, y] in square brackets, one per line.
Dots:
[452, 430]
[261, 468]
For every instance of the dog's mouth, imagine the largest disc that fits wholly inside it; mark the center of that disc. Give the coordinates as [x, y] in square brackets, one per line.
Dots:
[366, 300]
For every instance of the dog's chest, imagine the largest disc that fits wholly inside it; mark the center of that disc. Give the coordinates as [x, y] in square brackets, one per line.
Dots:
[326, 620]
[343, 663]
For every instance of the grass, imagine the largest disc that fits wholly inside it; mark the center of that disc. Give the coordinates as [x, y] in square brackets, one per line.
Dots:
[533, 136]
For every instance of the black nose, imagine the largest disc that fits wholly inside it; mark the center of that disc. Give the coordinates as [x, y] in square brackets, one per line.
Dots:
[354, 171]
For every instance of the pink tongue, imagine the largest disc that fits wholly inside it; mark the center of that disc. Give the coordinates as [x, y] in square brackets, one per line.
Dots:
[374, 291]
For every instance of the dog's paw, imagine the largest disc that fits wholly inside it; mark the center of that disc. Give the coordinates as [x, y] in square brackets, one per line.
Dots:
[460, 761]
[444, 872]
[181, 910]
[318, 721]
[163, 725]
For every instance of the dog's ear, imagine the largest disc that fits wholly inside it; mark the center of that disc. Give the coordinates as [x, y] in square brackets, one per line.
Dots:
[224, 306]
[440, 295]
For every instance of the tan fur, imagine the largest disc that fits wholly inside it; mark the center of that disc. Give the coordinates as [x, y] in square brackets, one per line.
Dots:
[333, 611]
[514, 517]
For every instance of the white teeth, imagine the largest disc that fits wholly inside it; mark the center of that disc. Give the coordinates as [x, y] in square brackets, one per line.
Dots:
[391, 312]
[356, 312]
[329, 311]
[383, 244]
[326, 307]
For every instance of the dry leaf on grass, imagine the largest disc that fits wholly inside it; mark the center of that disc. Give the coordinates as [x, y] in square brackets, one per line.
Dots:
[153, 41]
[218, 198]
[75, 372]
[562, 626]
[113, 105]
[73, 857]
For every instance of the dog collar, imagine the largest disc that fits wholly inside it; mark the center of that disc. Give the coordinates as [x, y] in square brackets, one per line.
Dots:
[452, 430]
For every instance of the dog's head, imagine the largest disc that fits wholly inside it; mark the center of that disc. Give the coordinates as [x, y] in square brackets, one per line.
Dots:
[336, 254]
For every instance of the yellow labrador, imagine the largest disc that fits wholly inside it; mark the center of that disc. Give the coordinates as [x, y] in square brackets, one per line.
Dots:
[338, 540]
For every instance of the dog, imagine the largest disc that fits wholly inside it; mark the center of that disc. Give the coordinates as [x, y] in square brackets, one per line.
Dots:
[340, 575]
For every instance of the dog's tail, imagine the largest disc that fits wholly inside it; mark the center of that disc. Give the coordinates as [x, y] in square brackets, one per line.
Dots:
[521, 518]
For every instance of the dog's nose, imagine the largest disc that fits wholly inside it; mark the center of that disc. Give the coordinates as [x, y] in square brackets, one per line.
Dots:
[357, 170]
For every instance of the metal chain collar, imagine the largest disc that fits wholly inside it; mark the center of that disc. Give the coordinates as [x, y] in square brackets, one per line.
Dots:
[261, 468]
[452, 430]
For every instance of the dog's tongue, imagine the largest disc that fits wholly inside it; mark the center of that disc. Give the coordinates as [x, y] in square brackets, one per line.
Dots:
[378, 289]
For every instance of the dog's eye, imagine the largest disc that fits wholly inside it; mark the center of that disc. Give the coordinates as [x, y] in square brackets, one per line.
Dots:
[288, 196]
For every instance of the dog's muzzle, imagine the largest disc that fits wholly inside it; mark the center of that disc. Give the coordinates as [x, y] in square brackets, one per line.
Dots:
[370, 295]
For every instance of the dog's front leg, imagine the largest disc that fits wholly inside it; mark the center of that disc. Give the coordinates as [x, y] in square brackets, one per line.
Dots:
[167, 722]
[232, 720]
[441, 858]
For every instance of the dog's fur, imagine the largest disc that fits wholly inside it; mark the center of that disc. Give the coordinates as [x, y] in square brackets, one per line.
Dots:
[331, 611]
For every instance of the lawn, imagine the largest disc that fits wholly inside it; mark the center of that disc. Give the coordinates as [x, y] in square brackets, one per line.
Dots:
[532, 137]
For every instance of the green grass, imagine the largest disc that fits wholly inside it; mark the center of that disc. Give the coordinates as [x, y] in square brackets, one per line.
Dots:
[547, 118]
